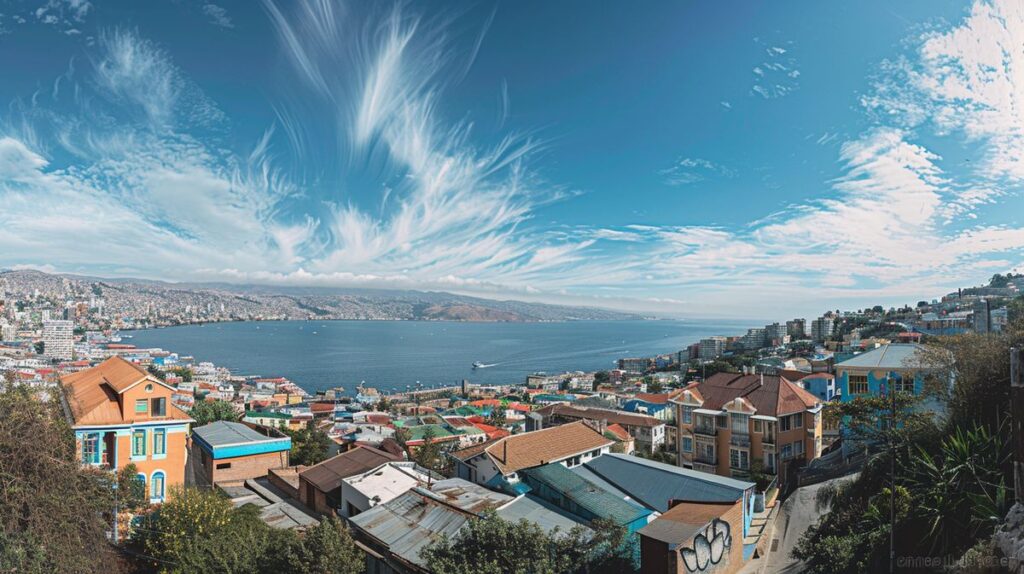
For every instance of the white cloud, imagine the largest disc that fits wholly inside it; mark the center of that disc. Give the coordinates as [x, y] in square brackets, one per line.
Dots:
[218, 16]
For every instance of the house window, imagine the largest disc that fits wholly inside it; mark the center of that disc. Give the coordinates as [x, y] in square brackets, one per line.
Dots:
[769, 462]
[739, 459]
[798, 448]
[141, 406]
[858, 384]
[159, 407]
[722, 421]
[798, 421]
[783, 424]
[903, 384]
[156, 486]
[709, 452]
[687, 415]
[91, 448]
[574, 461]
[687, 444]
[740, 424]
[223, 465]
[757, 426]
[139, 443]
[149, 388]
[594, 453]
[160, 441]
[787, 451]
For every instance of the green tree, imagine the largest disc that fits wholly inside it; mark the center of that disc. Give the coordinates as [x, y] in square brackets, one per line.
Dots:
[428, 453]
[310, 445]
[601, 378]
[653, 386]
[53, 511]
[327, 548]
[131, 492]
[491, 545]
[206, 412]
[497, 416]
[156, 372]
[384, 405]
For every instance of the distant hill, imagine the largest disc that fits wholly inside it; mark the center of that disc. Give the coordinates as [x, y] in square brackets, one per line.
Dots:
[160, 303]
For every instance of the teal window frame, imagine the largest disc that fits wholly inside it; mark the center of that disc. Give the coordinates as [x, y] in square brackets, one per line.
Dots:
[687, 444]
[144, 404]
[95, 455]
[159, 442]
[154, 494]
[137, 452]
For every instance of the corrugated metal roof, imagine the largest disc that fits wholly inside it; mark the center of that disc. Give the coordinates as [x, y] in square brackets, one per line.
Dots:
[410, 523]
[891, 356]
[221, 433]
[654, 484]
[586, 495]
[537, 511]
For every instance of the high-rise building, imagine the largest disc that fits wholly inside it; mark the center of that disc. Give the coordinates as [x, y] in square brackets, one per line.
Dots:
[754, 339]
[775, 335]
[58, 340]
[797, 328]
[821, 329]
[711, 348]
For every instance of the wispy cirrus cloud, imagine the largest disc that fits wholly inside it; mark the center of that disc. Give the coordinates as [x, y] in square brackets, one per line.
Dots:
[120, 168]
[688, 170]
[777, 75]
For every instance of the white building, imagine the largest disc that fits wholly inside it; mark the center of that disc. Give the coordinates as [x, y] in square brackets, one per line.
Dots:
[711, 348]
[383, 484]
[58, 340]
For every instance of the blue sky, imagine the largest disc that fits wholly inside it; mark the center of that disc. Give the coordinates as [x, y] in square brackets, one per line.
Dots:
[685, 158]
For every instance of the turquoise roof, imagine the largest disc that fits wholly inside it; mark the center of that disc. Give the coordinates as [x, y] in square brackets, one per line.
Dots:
[223, 439]
[585, 494]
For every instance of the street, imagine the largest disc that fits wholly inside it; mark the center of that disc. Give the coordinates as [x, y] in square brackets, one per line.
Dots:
[797, 514]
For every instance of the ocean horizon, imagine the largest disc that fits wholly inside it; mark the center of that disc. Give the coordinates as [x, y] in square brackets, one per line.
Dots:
[396, 355]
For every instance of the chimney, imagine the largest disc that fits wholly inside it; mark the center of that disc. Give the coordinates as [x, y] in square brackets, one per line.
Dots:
[504, 451]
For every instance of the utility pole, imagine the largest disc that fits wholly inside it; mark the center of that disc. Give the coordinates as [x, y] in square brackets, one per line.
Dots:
[1017, 421]
[116, 509]
[892, 472]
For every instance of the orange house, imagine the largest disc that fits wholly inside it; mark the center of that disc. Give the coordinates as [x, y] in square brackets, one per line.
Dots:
[731, 420]
[122, 414]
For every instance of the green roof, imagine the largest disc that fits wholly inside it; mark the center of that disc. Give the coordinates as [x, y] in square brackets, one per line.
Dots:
[267, 415]
[417, 432]
[585, 494]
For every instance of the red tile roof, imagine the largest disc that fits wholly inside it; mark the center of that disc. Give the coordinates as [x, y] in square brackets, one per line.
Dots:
[771, 395]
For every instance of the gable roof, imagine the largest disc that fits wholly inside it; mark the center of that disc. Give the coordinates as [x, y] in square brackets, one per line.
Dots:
[771, 395]
[655, 484]
[328, 474]
[92, 395]
[526, 450]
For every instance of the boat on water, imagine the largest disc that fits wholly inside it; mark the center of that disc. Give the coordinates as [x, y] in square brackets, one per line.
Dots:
[479, 365]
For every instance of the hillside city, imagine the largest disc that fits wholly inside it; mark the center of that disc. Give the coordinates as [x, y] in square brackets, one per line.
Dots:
[705, 459]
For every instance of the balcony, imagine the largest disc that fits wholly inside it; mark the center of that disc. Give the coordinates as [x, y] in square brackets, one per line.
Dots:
[768, 439]
[740, 440]
[709, 468]
[705, 459]
[706, 430]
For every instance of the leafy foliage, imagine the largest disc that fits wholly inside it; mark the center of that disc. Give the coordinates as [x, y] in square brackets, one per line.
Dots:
[206, 412]
[310, 445]
[131, 492]
[953, 478]
[198, 531]
[495, 546]
[53, 512]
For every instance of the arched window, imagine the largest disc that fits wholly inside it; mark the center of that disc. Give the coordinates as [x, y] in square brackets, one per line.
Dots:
[149, 388]
[156, 487]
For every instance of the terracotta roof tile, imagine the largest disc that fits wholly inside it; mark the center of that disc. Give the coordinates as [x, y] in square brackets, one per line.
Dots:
[92, 394]
[535, 448]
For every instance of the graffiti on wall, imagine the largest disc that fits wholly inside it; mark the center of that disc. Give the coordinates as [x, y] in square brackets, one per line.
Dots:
[709, 547]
